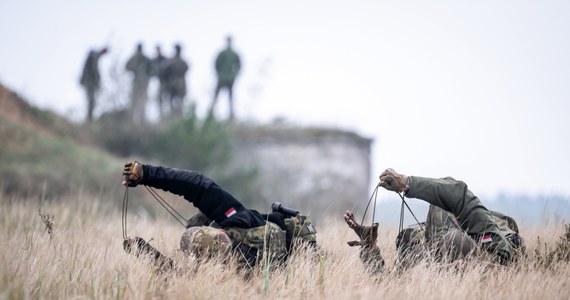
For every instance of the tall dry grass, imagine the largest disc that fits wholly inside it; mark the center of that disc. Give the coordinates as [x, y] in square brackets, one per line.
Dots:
[85, 259]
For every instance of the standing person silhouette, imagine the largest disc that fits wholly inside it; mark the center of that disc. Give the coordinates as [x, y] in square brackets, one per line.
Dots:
[228, 66]
[91, 79]
[175, 73]
[140, 66]
[158, 64]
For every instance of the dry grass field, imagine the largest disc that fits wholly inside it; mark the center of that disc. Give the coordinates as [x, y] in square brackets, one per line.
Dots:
[84, 259]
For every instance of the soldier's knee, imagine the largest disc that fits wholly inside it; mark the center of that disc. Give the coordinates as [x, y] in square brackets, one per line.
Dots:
[455, 244]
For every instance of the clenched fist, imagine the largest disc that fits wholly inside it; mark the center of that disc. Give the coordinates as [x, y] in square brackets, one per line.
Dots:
[393, 181]
[132, 173]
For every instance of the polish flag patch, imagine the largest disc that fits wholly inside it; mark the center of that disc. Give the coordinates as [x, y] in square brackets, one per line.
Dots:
[487, 238]
[230, 212]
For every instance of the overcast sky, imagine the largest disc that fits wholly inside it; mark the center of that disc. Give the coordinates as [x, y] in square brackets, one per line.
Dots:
[478, 90]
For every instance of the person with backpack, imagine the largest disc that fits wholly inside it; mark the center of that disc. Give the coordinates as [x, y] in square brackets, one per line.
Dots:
[457, 225]
[223, 226]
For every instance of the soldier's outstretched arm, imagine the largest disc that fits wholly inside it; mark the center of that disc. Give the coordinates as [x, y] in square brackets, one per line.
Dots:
[448, 194]
[216, 203]
[186, 183]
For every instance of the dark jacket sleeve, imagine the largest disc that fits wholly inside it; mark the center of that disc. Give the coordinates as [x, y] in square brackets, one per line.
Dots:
[188, 184]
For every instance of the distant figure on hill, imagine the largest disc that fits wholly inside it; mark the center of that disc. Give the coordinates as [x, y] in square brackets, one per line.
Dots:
[175, 76]
[91, 79]
[228, 66]
[140, 66]
[158, 65]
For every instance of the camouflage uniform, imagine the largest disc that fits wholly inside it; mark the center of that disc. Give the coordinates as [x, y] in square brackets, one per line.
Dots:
[205, 242]
[228, 66]
[271, 240]
[175, 76]
[140, 66]
[457, 225]
[91, 79]
[253, 236]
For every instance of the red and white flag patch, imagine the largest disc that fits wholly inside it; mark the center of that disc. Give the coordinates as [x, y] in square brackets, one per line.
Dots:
[230, 212]
[487, 238]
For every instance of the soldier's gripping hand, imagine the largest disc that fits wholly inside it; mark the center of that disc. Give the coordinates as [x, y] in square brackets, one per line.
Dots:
[132, 173]
[393, 181]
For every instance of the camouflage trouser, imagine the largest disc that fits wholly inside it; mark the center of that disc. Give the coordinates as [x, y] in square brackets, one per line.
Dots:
[445, 238]
[268, 242]
[301, 229]
[205, 242]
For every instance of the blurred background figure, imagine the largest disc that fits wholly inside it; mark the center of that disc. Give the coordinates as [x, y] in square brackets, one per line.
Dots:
[158, 65]
[91, 79]
[228, 66]
[140, 66]
[175, 75]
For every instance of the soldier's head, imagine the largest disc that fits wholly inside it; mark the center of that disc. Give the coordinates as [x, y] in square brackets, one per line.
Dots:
[177, 49]
[139, 47]
[205, 242]
[229, 40]
[158, 51]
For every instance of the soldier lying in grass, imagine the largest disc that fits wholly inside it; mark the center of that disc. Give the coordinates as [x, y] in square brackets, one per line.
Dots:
[223, 226]
[457, 225]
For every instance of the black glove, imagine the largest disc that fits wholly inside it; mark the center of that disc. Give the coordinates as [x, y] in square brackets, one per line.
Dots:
[132, 173]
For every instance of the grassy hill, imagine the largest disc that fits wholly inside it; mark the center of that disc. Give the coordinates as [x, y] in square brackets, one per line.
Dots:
[42, 152]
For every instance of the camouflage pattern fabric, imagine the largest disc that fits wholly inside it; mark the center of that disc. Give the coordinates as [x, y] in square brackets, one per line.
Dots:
[445, 237]
[508, 226]
[205, 242]
[301, 228]
[411, 247]
[267, 239]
